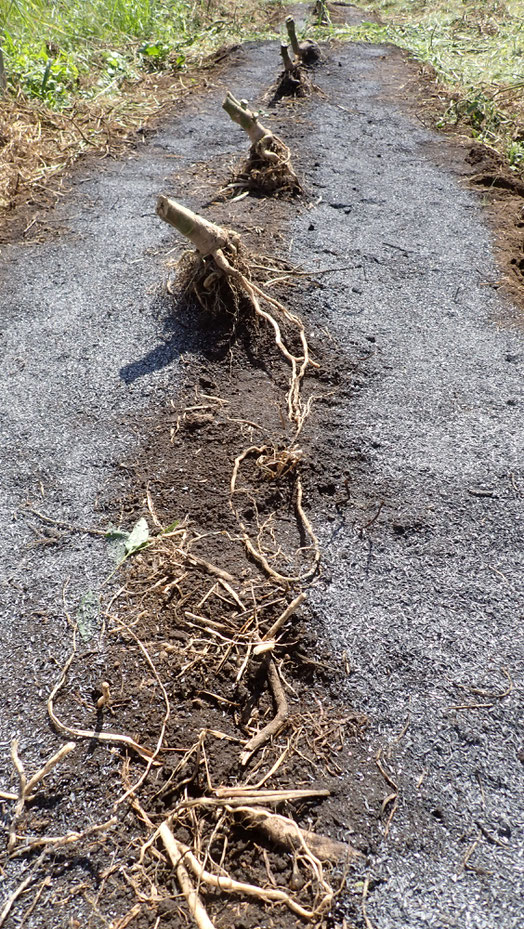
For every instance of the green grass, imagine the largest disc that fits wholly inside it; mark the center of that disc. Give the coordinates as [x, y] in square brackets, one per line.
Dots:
[57, 50]
[477, 51]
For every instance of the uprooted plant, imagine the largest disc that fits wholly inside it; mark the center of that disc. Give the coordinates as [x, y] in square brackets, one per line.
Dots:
[235, 637]
[217, 794]
[268, 167]
[306, 51]
[219, 275]
[292, 82]
[321, 12]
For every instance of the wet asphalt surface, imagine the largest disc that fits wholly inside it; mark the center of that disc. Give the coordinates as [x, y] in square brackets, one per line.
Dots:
[427, 597]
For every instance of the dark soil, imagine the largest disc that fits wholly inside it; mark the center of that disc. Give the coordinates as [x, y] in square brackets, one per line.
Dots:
[409, 465]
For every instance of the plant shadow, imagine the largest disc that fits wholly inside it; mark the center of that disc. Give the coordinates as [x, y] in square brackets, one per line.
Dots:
[187, 328]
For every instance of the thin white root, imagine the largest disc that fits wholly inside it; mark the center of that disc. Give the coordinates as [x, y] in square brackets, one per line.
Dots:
[177, 854]
[273, 631]
[256, 795]
[261, 560]
[20, 803]
[259, 449]
[210, 568]
[11, 900]
[114, 738]
[177, 851]
[307, 525]
[48, 767]
[54, 842]
[232, 797]
[26, 787]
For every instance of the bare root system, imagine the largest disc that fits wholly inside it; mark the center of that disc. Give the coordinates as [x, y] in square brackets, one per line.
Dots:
[224, 285]
[268, 169]
[220, 636]
[232, 637]
[292, 82]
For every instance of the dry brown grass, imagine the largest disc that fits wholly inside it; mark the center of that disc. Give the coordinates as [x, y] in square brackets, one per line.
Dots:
[39, 144]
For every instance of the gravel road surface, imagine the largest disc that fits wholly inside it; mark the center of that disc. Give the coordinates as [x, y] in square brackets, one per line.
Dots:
[421, 587]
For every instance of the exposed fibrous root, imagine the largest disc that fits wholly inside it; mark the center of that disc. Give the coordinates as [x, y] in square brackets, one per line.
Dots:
[273, 631]
[268, 168]
[113, 738]
[220, 261]
[179, 852]
[27, 787]
[307, 51]
[48, 846]
[289, 460]
[272, 463]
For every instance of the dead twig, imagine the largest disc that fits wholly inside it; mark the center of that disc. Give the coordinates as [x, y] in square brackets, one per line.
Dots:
[276, 723]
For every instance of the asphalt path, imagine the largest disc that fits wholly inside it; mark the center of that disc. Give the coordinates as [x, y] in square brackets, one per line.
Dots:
[425, 598]
[426, 601]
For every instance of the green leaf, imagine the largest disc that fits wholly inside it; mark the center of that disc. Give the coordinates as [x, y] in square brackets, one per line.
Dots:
[122, 544]
[116, 535]
[138, 537]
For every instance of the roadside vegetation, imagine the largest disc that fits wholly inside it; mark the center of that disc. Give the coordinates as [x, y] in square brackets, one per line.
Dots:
[476, 48]
[80, 75]
[62, 50]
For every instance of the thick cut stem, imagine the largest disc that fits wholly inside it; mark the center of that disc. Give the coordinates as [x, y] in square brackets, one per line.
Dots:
[290, 26]
[307, 51]
[288, 64]
[245, 118]
[205, 236]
